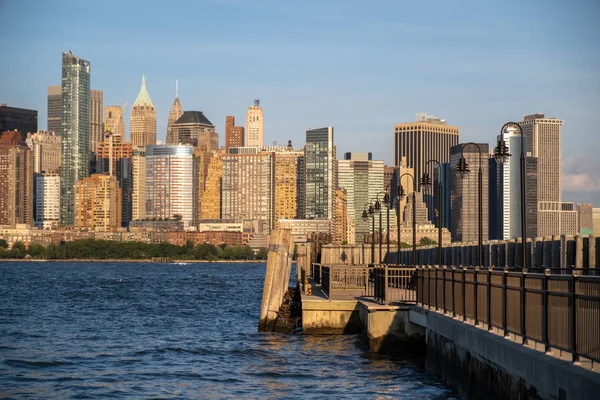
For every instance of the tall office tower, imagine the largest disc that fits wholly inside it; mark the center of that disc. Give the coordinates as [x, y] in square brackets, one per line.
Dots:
[16, 181]
[320, 171]
[596, 220]
[234, 135]
[171, 183]
[54, 109]
[209, 196]
[113, 120]
[124, 176]
[143, 119]
[20, 119]
[339, 229]
[175, 113]
[426, 139]
[464, 197]
[255, 134]
[138, 196]
[96, 121]
[47, 200]
[194, 128]
[75, 140]
[362, 178]
[109, 151]
[585, 222]
[288, 182]
[544, 142]
[247, 188]
[45, 148]
[442, 174]
[420, 213]
[495, 223]
[98, 200]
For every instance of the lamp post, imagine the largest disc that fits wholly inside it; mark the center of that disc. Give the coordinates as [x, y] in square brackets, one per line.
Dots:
[462, 169]
[401, 194]
[426, 183]
[378, 210]
[366, 213]
[387, 200]
[501, 155]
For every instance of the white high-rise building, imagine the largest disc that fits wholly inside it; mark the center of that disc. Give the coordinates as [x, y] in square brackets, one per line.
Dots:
[255, 126]
[510, 181]
[47, 200]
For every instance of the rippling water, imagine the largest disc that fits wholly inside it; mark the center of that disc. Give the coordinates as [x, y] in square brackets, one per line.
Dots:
[134, 330]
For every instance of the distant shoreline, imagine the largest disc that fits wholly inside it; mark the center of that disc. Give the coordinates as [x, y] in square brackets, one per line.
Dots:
[130, 261]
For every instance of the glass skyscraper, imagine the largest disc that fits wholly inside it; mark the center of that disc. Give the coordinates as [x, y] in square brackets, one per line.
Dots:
[75, 141]
[320, 169]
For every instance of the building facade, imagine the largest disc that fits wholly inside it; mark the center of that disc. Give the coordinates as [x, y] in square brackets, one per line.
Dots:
[255, 135]
[320, 174]
[98, 198]
[194, 128]
[54, 109]
[171, 183]
[288, 182]
[429, 138]
[45, 149]
[47, 200]
[20, 119]
[247, 189]
[96, 119]
[585, 221]
[75, 137]
[110, 151]
[234, 135]
[464, 196]
[596, 220]
[113, 121]
[339, 229]
[138, 195]
[16, 183]
[209, 184]
[175, 113]
[143, 119]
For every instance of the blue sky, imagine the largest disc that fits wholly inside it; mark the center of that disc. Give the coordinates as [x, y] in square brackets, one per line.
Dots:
[360, 66]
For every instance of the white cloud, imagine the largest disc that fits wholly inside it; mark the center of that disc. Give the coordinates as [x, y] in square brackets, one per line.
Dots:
[580, 175]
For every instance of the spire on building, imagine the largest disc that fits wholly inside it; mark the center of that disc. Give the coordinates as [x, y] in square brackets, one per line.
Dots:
[143, 98]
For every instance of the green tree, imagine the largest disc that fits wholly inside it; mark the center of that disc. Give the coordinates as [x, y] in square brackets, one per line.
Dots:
[36, 250]
[262, 254]
[425, 241]
[3, 244]
[18, 250]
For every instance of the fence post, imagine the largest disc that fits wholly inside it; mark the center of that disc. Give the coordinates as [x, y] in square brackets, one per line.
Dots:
[464, 294]
[475, 297]
[523, 307]
[437, 303]
[444, 287]
[385, 284]
[504, 300]
[573, 315]
[545, 309]
[489, 297]
[453, 302]
[429, 286]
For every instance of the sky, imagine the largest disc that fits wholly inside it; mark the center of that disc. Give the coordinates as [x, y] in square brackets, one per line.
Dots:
[359, 66]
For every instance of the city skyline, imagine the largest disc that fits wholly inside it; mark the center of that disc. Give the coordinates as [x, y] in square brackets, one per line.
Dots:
[551, 67]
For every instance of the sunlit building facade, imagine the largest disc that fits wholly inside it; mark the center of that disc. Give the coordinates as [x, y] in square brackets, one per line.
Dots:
[98, 199]
[143, 119]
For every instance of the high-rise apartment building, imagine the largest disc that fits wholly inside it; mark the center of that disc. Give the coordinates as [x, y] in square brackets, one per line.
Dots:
[110, 151]
[544, 142]
[429, 138]
[75, 140]
[596, 220]
[171, 183]
[138, 196]
[113, 120]
[289, 164]
[175, 113]
[143, 119]
[47, 200]
[16, 182]
[339, 229]
[20, 119]
[247, 189]
[585, 221]
[124, 174]
[320, 172]
[96, 120]
[234, 135]
[98, 200]
[464, 196]
[194, 128]
[209, 184]
[363, 180]
[255, 135]
[45, 149]
[55, 109]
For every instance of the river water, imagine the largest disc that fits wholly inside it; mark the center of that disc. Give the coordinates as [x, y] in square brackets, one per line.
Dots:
[142, 330]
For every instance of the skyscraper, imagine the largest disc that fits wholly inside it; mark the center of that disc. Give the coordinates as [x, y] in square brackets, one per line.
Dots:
[255, 126]
[544, 142]
[20, 119]
[171, 183]
[464, 195]
[585, 221]
[54, 109]
[143, 119]
[209, 185]
[174, 114]
[426, 139]
[113, 120]
[247, 188]
[98, 199]
[16, 182]
[75, 140]
[45, 148]
[234, 135]
[320, 171]
[288, 182]
[339, 224]
[47, 200]
[138, 196]
[96, 122]
[194, 128]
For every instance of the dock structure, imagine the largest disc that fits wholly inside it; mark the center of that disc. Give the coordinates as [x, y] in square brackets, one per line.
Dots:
[495, 331]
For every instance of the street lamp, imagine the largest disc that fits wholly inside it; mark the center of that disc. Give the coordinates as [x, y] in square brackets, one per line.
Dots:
[401, 194]
[370, 212]
[502, 155]
[378, 209]
[462, 169]
[387, 200]
[426, 184]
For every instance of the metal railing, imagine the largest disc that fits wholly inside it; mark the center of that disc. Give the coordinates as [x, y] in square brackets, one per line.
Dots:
[325, 280]
[393, 284]
[316, 273]
[341, 281]
[558, 311]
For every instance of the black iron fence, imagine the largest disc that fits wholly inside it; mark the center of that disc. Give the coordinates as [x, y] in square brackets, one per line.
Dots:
[393, 284]
[556, 310]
